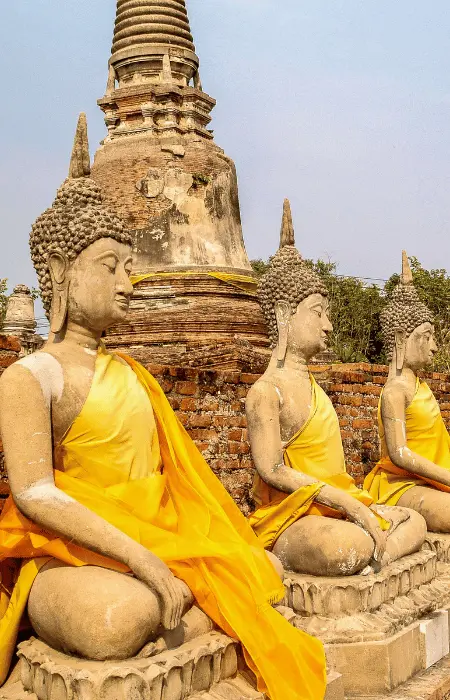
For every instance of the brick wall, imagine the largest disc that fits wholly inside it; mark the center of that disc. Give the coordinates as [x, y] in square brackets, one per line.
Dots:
[211, 405]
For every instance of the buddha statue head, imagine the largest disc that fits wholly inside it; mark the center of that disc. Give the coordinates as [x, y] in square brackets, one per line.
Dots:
[294, 300]
[407, 325]
[81, 251]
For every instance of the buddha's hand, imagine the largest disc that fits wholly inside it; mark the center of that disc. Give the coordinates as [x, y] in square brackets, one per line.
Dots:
[367, 520]
[172, 592]
[395, 515]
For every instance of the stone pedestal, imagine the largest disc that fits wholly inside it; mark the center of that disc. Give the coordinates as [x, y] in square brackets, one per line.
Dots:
[438, 543]
[196, 667]
[379, 630]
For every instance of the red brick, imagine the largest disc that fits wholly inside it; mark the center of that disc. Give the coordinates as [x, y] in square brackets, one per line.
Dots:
[379, 380]
[203, 434]
[238, 448]
[249, 378]
[360, 424]
[237, 434]
[186, 388]
[166, 385]
[230, 377]
[10, 342]
[210, 405]
[188, 404]
[200, 421]
[247, 463]
[183, 418]
[7, 360]
[156, 370]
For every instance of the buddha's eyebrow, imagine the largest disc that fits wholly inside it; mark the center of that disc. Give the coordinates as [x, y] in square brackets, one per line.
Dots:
[107, 254]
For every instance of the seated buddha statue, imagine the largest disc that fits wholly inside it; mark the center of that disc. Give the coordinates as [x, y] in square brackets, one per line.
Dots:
[115, 523]
[414, 470]
[310, 512]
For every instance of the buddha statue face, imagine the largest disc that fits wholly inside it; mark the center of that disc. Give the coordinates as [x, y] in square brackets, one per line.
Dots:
[81, 251]
[407, 326]
[308, 328]
[420, 347]
[95, 285]
[294, 300]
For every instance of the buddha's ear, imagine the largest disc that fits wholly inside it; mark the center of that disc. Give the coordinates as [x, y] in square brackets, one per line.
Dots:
[400, 349]
[59, 267]
[283, 314]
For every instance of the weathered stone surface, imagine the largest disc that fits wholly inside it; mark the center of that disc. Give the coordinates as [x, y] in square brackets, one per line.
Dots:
[338, 597]
[178, 335]
[175, 189]
[194, 667]
[439, 543]
[433, 684]
[378, 667]
[360, 609]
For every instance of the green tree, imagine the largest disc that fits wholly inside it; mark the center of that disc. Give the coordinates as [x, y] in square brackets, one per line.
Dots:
[354, 312]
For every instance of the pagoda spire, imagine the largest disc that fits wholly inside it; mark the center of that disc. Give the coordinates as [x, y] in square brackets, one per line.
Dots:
[149, 30]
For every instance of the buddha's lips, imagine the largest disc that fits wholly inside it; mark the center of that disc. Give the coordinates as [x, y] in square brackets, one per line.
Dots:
[123, 301]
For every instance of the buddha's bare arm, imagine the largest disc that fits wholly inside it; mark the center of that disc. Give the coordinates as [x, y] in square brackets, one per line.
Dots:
[263, 409]
[394, 421]
[25, 426]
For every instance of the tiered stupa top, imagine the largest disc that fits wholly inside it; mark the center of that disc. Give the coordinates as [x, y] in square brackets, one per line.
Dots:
[147, 33]
[143, 22]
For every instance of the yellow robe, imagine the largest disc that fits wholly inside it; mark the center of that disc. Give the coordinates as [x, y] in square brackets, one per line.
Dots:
[316, 450]
[160, 491]
[426, 435]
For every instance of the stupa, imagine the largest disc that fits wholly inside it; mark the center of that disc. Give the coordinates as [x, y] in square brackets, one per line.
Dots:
[161, 171]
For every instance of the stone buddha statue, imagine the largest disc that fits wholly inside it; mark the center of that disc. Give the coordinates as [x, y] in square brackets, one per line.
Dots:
[310, 512]
[115, 523]
[414, 470]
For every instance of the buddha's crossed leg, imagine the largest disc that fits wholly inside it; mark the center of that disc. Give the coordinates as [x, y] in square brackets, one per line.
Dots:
[93, 612]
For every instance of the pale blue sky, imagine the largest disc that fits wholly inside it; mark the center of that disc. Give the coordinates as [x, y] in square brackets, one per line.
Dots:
[341, 105]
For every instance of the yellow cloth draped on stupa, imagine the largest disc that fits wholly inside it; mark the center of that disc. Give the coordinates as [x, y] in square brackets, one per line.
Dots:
[426, 435]
[316, 450]
[155, 486]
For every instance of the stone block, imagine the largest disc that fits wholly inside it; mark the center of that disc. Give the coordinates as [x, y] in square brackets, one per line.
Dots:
[434, 637]
[378, 668]
[335, 687]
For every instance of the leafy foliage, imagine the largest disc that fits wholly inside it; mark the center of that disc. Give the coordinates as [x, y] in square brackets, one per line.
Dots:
[356, 307]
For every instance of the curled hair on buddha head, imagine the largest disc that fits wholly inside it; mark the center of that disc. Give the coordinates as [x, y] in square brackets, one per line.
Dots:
[287, 278]
[404, 312]
[76, 219]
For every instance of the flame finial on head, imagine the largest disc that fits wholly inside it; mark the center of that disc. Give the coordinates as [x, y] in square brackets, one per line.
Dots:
[287, 236]
[80, 162]
[407, 276]
[287, 278]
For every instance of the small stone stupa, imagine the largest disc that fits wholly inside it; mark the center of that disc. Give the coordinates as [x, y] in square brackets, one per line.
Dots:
[20, 320]
[175, 189]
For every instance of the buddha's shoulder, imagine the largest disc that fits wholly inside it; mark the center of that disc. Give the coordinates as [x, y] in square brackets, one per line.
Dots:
[38, 371]
[398, 389]
[269, 388]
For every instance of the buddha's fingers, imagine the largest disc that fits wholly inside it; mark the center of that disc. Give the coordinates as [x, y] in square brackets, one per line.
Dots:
[173, 600]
